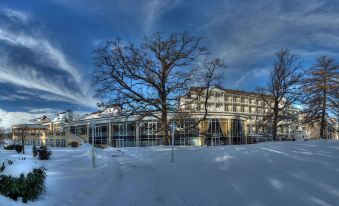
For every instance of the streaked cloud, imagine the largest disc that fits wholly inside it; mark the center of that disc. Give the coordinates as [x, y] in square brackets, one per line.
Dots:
[30, 78]
[255, 75]
[155, 8]
[16, 15]
[41, 77]
[49, 54]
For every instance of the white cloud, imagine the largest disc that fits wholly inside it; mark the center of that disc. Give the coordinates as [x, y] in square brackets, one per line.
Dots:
[11, 118]
[42, 111]
[257, 73]
[29, 78]
[8, 119]
[50, 56]
[13, 97]
[16, 15]
[155, 8]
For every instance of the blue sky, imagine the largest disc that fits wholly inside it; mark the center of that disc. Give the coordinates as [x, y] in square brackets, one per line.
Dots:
[46, 45]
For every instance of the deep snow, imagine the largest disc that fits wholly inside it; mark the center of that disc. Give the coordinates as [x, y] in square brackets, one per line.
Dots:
[285, 173]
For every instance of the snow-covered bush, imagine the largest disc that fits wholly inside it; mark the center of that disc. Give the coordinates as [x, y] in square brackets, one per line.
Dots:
[44, 152]
[74, 144]
[22, 179]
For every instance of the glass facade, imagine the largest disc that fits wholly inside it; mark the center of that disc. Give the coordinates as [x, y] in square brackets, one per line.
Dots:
[149, 133]
[225, 131]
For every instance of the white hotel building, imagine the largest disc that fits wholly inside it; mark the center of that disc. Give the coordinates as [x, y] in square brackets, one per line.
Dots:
[233, 118]
[233, 115]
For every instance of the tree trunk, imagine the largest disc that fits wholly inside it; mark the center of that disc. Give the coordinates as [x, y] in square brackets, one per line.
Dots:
[165, 129]
[323, 116]
[275, 121]
[166, 138]
[274, 128]
[23, 146]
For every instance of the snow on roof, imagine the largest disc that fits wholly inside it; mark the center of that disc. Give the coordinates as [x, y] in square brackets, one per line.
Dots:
[110, 110]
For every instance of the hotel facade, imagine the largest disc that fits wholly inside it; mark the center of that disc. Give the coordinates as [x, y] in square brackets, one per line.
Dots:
[233, 118]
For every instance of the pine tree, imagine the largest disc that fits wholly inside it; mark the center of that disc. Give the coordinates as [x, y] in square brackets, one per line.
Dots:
[320, 87]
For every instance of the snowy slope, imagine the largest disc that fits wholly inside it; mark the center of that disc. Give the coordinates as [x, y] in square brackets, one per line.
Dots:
[287, 173]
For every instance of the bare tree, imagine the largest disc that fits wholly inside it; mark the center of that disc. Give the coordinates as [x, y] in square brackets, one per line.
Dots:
[282, 90]
[21, 132]
[149, 80]
[320, 87]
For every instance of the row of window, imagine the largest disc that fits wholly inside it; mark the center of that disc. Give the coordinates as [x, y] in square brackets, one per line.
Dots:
[243, 109]
[243, 100]
[49, 142]
[227, 108]
[230, 98]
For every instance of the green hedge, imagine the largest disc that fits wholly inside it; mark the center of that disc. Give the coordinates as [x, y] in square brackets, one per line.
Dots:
[28, 187]
[44, 153]
[74, 144]
[18, 148]
[9, 147]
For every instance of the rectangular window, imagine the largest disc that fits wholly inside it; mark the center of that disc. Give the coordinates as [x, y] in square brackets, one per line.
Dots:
[217, 94]
[234, 109]
[210, 104]
[225, 98]
[218, 105]
[214, 94]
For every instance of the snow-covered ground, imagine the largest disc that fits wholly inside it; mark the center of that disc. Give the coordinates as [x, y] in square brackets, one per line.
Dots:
[286, 173]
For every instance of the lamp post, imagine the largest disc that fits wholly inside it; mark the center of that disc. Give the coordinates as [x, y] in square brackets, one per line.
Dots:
[93, 153]
[289, 129]
[173, 127]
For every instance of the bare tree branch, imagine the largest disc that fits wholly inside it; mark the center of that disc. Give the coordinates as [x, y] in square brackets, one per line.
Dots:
[282, 90]
[149, 80]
